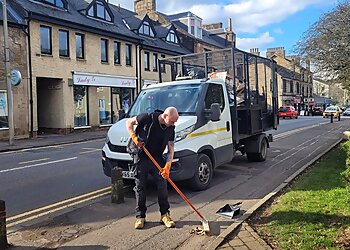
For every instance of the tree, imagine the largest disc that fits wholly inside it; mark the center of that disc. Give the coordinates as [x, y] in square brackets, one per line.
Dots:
[327, 44]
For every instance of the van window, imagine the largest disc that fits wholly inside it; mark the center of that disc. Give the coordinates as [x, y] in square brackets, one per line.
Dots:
[215, 94]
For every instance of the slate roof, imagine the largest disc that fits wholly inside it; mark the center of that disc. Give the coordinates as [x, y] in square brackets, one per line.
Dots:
[13, 16]
[286, 73]
[180, 15]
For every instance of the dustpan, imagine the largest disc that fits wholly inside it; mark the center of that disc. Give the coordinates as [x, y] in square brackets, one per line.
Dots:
[230, 210]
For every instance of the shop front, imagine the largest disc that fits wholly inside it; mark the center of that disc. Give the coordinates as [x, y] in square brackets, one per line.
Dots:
[98, 98]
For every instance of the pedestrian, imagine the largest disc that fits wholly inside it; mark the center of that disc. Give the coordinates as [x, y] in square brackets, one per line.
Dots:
[155, 131]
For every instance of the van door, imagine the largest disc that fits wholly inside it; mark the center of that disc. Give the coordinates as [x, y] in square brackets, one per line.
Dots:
[221, 128]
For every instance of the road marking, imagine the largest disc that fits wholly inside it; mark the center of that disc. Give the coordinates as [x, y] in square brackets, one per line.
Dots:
[36, 165]
[287, 133]
[90, 150]
[25, 162]
[57, 209]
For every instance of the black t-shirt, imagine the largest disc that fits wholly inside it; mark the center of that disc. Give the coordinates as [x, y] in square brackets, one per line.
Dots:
[158, 134]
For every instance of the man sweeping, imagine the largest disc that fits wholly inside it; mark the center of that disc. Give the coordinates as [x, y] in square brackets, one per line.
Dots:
[155, 131]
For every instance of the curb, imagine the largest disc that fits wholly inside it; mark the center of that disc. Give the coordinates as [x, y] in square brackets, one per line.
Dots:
[219, 239]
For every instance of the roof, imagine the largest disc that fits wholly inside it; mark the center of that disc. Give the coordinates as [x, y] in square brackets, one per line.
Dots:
[13, 15]
[286, 73]
[177, 16]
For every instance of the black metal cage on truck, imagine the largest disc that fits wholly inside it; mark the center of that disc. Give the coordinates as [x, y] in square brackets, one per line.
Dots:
[250, 80]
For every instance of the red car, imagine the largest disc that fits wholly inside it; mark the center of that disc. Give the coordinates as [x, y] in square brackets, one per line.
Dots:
[287, 111]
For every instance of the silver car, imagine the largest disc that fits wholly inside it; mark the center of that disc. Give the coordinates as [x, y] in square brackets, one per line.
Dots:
[347, 111]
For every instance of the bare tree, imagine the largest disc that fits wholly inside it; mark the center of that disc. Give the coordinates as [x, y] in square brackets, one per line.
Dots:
[327, 44]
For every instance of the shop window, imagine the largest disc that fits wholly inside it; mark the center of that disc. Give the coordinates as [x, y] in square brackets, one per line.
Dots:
[128, 54]
[104, 50]
[63, 43]
[79, 45]
[80, 103]
[155, 62]
[146, 60]
[104, 105]
[116, 53]
[3, 109]
[45, 40]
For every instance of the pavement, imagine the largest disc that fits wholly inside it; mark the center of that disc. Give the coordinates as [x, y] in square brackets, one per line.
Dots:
[238, 235]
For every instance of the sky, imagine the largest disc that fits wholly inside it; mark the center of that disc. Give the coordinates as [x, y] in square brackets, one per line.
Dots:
[257, 23]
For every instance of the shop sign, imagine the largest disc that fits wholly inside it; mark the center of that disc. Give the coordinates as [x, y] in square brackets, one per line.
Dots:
[100, 80]
[297, 99]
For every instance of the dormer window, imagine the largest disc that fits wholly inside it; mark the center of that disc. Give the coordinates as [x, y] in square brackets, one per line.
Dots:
[99, 10]
[171, 37]
[57, 3]
[146, 29]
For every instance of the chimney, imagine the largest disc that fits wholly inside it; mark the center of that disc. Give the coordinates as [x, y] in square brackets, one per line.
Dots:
[307, 62]
[231, 37]
[255, 51]
[276, 51]
[141, 7]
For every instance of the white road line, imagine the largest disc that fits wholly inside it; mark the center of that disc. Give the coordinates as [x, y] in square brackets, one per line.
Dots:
[90, 151]
[25, 162]
[36, 165]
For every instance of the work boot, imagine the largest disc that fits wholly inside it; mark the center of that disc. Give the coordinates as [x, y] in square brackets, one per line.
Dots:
[140, 223]
[167, 221]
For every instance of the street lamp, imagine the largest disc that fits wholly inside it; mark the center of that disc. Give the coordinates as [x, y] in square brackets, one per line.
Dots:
[7, 75]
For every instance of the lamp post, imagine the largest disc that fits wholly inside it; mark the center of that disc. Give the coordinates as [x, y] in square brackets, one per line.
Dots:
[7, 75]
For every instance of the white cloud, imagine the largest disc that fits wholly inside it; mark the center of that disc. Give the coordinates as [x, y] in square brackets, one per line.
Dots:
[256, 42]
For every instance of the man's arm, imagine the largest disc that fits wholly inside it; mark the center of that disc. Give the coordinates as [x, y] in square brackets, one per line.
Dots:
[171, 151]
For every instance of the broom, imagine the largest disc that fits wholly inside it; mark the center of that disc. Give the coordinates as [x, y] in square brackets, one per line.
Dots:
[205, 223]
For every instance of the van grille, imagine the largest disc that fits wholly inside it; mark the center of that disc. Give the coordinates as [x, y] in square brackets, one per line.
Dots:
[117, 149]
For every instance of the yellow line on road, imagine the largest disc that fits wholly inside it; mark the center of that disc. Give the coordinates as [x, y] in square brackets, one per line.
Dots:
[56, 209]
[56, 204]
[25, 162]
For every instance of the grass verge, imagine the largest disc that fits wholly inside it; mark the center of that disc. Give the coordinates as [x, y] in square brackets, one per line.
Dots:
[314, 211]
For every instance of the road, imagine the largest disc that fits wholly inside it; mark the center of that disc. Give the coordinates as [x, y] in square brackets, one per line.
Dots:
[36, 178]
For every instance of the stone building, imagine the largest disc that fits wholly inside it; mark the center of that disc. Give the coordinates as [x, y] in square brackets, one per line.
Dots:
[87, 60]
[19, 61]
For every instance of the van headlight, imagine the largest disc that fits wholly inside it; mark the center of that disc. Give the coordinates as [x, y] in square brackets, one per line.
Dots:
[180, 135]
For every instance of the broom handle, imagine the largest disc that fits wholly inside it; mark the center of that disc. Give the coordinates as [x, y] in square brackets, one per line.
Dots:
[172, 183]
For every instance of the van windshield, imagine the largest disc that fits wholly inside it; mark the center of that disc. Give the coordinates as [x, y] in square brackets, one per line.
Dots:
[183, 97]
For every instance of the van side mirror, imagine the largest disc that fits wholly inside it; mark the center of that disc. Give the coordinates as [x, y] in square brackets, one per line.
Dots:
[215, 112]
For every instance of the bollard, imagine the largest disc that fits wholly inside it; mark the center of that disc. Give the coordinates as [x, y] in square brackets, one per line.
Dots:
[331, 118]
[3, 236]
[117, 185]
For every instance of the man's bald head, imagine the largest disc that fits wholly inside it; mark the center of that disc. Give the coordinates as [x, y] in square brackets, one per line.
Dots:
[170, 116]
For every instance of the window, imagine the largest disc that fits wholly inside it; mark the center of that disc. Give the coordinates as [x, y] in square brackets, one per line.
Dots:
[3, 109]
[155, 62]
[128, 54]
[214, 94]
[116, 52]
[57, 3]
[146, 29]
[291, 87]
[192, 30]
[80, 103]
[79, 46]
[146, 60]
[298, 88]
[63, 43]
[99, 10]
[104, 105]
[162, 65]
[172, 37]
[45, 40]
[284, 85]
[104, 50]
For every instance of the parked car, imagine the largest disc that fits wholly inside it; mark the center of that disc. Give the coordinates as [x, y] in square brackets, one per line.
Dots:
[317, 111]
[287, 111]
[332, 110]
[347, 111]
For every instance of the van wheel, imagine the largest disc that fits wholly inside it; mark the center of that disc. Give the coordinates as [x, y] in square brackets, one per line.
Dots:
[259, 157]
[203, 173]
